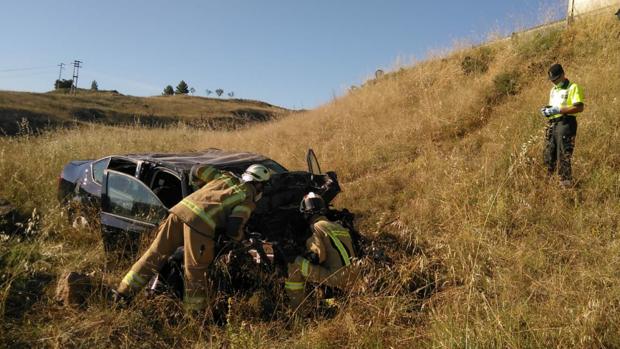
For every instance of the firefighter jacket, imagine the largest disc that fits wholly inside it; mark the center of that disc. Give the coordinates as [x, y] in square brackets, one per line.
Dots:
[224, 196]
[333, 247]
[331, 243]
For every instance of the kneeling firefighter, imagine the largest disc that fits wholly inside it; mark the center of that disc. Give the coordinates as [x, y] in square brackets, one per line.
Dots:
[329, 255]
[223, 202]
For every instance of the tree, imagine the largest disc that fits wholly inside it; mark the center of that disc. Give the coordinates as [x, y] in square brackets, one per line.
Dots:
[168, 91]
[63, 84]
[192, 90]
[182, 88]
[94, 86]
[219, 92]
[208, 92]
[231, 94]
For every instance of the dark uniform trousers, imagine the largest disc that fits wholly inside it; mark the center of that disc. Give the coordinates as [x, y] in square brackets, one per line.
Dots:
[559, 145]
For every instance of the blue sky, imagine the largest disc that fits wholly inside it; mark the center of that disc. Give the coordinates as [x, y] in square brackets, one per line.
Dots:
[296, 54]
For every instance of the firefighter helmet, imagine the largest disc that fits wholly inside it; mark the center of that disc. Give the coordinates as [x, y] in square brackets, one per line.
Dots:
[256, 173]
[312, 204]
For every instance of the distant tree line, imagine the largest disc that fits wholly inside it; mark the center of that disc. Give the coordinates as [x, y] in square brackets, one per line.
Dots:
[63, 84]
[184, 89]
[66, 84]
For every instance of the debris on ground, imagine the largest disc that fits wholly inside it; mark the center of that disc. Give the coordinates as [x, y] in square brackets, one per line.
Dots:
[74, 289]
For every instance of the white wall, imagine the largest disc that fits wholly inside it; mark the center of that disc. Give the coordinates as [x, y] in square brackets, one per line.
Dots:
[578, 7]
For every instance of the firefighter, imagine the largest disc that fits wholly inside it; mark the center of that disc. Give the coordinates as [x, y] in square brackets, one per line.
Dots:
[328, 259]
[565, 101]
[223, 202]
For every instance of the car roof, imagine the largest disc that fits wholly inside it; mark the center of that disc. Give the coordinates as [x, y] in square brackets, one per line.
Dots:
[212, 156]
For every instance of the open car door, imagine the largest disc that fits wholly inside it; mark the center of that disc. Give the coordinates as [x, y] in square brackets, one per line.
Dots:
[313, 163]
[128, 208]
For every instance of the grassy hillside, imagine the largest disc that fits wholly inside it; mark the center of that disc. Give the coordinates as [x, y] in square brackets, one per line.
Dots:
[59, 109]
[442, 164]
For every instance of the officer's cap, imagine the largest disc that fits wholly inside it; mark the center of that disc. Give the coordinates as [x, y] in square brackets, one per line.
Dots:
[555, 71]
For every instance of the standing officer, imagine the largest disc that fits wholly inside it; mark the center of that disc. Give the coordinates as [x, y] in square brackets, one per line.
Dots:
[565, 100]
[223, 203]
[329, 253]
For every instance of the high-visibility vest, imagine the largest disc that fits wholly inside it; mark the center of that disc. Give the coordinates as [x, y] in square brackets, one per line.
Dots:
[208, 209]
[331, 242]
[567, 94]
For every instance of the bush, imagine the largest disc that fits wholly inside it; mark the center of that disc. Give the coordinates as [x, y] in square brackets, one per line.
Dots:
[168, 91]
[540, 43]
[506, 84]
[63, 84]
[477, 62]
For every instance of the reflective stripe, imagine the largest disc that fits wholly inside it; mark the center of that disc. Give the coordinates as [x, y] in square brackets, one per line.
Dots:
[341, 233]
[294, 286]
[234, 199]
[231, 183]
[134, 280]
[199, 212]
[343, 251]
[229, 201]
[245, 210]
[305, 264]
[207, 174]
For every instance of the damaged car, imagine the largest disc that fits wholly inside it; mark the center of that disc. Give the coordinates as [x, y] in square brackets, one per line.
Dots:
[130, 194]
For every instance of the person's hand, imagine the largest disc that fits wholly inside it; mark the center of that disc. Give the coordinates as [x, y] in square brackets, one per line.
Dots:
[312, 257]
[548, 111]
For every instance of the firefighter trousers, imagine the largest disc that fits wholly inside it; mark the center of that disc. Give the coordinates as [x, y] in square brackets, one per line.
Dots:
[199, 250]
[302, 271]
[559, 146]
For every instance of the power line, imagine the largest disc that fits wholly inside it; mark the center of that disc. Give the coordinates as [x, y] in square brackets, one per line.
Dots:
[24, 69]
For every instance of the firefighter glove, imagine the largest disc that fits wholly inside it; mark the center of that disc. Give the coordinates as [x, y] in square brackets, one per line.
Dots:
[312, 257]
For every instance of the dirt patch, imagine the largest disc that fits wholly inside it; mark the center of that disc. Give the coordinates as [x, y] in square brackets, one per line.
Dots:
[11, 220]
[20, 121]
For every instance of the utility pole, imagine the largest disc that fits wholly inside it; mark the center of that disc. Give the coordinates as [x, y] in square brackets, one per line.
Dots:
[571, 12]
[76, 73]
[57, 84]
[61, 65]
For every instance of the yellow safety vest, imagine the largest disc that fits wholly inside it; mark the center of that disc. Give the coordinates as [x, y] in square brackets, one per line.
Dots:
[567, 94]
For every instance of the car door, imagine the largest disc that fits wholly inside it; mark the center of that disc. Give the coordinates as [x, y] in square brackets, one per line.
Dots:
[128, 209]
[313, 163]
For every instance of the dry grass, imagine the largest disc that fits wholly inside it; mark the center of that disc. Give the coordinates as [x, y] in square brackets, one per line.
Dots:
[443, 169]
[59, 109]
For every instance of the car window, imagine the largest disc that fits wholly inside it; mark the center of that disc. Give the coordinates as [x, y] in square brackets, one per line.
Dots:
[167, 187]
[123, 165]
[274, 167]
[98, 167]
[130, 198]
